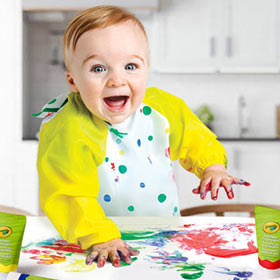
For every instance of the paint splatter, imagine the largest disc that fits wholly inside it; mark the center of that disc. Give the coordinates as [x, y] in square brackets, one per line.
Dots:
[48, 258]
[241, 274]
[79, 266]
[113, 166]
[192, 276]
[166, 258]
[178, 262]
[191, 240]
[149, 238]
[210, 241]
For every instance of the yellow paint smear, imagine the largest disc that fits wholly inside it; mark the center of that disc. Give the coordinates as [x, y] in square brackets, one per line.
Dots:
[79, 266]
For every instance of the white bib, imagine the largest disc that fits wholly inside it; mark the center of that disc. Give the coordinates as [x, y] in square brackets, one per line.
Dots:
[136, 177]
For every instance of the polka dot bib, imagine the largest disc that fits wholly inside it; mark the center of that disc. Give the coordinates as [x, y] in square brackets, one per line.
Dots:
[136, 177]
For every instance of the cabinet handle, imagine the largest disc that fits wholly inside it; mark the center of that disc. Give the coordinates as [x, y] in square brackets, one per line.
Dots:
[228, 46]
[212, 42]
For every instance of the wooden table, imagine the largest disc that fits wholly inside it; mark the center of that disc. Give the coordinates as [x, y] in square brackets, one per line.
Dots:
[170, 248]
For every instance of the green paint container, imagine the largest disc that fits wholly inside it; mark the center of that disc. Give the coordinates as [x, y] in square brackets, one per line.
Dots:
[268, 236]
[21, 276]
[11, 233]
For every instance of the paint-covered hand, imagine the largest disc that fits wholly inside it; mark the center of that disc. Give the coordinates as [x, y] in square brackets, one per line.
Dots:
[116, 250]
[214, 177]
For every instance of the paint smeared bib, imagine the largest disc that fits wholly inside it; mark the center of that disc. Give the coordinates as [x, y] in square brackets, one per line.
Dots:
[136, 177]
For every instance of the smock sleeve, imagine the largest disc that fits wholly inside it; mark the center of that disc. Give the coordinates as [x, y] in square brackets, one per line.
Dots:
[191, 142]
[69, 188]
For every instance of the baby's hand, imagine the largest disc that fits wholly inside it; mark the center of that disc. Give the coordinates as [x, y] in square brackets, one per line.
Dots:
[214, 177]
[115, 249]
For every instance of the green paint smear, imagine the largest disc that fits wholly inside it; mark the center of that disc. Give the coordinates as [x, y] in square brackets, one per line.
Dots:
[190, 267]
[137, 235]
[128, 264]
[26, 246]
[191, 276]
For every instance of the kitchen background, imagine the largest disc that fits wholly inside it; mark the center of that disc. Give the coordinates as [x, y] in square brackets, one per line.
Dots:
[222, 54]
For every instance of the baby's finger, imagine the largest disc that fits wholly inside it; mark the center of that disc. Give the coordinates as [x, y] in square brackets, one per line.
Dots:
[238, 181]
[228, 187]
[125, 255]
[204, 188]
[196, 190]
[115, 258]
[215, 184]
[229, 192]
[133, 252]
[227, 182]
[103, 256]
[91, 257]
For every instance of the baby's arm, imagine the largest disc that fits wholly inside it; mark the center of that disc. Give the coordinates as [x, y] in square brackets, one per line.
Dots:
[214, 177]
[115, 249]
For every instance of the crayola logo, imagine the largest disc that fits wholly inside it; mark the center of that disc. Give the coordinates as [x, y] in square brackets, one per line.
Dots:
[271, 227]
[5, 232]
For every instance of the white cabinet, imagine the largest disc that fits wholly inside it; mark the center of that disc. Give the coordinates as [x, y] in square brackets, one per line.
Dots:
[250, 36]
[237, 36]
[257, 162]
[187, 39]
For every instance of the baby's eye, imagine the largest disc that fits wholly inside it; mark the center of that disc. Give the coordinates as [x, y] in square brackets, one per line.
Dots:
[130, 66]
[98, 69]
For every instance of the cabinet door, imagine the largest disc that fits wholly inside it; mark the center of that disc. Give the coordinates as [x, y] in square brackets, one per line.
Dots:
[187, 39]
[259, 164]
[249, 36]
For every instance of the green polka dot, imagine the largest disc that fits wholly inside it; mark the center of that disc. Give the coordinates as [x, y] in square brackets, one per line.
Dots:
[161, 197]
[130, 208]
[122, 169]
[147, 110]
[106, 159]
[52, 101]
[150, 138]
[118, 141]
[175, 209]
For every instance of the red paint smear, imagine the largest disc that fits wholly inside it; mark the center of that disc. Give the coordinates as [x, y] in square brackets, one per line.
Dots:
[230, 253]
[268, 264]
[49, 252]
[188, 225]
[210, 243]
[32, 251]
[198, 240]
[73, 248]
[244, 228]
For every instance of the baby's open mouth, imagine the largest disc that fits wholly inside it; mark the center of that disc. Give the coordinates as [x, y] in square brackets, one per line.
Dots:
[116, 103]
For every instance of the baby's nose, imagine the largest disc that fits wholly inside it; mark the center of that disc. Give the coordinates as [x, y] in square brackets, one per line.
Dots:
[115, 80]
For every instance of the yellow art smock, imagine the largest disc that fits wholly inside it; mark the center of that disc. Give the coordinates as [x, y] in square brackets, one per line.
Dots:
[89, 168]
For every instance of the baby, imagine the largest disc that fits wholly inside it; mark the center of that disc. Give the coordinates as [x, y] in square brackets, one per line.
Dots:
[107, 148]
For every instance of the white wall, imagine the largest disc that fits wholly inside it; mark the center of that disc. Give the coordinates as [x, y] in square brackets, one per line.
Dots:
[221, 93]
[10, 76]
[19, 187]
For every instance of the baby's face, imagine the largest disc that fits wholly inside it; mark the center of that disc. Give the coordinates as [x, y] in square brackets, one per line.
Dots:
[109, 68]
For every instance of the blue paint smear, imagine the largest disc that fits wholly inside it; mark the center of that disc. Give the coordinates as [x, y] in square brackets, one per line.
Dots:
[235, 273]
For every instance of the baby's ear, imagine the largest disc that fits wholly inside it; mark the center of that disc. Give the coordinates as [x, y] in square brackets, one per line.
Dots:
[71, 82]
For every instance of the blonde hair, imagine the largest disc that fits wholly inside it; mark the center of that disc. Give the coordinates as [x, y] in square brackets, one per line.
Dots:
[96, 17]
